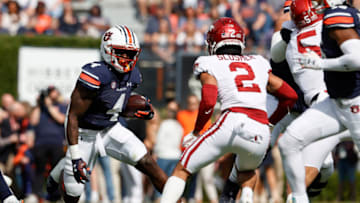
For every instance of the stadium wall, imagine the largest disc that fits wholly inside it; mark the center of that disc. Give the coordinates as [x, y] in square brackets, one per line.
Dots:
[9, 51]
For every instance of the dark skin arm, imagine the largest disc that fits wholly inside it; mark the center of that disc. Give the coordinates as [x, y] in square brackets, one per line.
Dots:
[341, 35]
[81, 99]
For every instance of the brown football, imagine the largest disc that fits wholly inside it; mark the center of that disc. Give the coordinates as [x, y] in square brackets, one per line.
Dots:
[135, 102]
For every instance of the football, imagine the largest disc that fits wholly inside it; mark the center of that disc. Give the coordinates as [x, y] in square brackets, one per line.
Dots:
[135, 102]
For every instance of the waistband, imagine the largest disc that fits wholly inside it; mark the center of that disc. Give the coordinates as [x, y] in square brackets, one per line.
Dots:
[255, 114]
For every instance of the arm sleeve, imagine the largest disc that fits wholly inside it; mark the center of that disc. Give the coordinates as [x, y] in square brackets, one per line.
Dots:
[208, 100]
[350, 61]
[287, 98]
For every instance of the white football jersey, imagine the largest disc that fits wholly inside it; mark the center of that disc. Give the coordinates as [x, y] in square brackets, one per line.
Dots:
[241, 80]
[310, 81]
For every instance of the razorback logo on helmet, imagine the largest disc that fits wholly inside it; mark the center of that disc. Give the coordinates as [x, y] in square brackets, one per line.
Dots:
[107, 36]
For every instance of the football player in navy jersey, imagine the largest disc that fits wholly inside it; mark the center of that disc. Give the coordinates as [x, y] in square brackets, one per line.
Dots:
[99, 98]
[339, 111]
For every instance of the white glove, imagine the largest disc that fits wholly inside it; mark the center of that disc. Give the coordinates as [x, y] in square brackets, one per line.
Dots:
[188, 140]
[311, 60]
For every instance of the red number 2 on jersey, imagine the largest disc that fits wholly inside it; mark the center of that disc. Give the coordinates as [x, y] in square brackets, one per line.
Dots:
[240, 78]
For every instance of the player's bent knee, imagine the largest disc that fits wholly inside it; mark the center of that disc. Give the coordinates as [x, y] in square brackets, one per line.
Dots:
[289, 144]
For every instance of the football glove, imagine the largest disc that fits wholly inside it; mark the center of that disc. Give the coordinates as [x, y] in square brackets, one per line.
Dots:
[147, 113]
[188, 140]
[311, 60]
[81, 171]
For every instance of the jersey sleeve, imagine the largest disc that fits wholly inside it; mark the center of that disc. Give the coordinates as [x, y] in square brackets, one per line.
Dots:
[91, 76]
[201, 66]
[338, 17]
[266, 63]
[136, 78]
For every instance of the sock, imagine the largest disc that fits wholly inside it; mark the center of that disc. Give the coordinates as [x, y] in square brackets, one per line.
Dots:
[229, 192]
[246, 195]
[173, 190]
[289, 198]
[300, 199]
[4, 188]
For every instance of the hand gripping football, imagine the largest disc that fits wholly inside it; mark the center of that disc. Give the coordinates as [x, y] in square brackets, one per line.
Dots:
[137, 103]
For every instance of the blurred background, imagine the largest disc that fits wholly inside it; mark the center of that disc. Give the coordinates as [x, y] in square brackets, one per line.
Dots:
[44, 44]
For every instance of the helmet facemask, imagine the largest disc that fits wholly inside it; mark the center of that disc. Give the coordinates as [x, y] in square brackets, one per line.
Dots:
[123, 59]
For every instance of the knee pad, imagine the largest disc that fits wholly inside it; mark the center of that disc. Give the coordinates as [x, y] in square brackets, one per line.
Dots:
[288, 144]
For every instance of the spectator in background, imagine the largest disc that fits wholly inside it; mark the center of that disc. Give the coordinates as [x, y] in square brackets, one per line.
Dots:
[95, 24]
[40, 22]
[189, 16]
[168, 141]
[48, 120]
[91, 187]
[55, 7]
[68, 23]
[145, 5]
[28, 6]
[163, 42]
[163, 45]
[190, 40]
[206, 19]
[268, 176]
[23, 159]
[8, 137]
[257, 21]
[14, 20]
[347, 159]
[154, 23]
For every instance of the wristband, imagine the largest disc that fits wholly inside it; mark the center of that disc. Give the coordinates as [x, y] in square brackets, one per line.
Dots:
[74, 151]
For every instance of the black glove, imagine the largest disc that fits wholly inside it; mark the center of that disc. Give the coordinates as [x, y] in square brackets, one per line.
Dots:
[285, 34]
[81, 171]
[147, 113]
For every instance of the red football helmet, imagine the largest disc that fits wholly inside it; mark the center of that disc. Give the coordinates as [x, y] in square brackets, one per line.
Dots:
[224, 31]
[303, 13]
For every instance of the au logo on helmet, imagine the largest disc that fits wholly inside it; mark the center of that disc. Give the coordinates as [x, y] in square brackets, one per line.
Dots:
[107, 36]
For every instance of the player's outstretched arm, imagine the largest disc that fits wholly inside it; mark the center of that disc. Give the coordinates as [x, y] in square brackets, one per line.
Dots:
[284, 93]
[81, 100]
[209, 94]
[349, 42]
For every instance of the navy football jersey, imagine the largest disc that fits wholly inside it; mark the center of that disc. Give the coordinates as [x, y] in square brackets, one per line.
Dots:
[282, 70]
[112, 89]
[340, 84]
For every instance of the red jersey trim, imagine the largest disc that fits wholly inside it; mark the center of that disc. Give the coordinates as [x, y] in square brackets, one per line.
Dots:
[256, 114]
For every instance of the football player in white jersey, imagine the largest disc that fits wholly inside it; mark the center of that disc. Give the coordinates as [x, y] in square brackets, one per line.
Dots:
[303, 33]
[339, 110]
[242, 83]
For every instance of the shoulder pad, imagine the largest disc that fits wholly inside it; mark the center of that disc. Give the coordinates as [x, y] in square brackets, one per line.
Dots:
[340, 16]
[93, 75]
